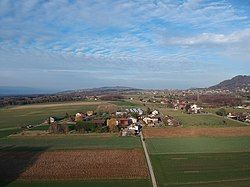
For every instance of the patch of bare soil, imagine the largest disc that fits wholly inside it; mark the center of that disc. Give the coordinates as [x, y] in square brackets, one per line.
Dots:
[79, 164]
[196, 132]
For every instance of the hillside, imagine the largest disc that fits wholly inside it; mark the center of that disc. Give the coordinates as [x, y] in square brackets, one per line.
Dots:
[236, 83]
[8, 91]
[101, 90]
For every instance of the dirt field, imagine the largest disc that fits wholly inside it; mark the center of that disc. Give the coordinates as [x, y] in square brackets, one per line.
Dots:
[79, 164]
[58, 105]
[195, 132]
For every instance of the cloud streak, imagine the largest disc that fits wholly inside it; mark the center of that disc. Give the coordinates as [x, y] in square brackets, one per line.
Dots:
[122, 36]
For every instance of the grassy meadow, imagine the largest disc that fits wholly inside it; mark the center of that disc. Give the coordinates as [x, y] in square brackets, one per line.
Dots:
[201, 161]
[87, 183]
[201, 120]
[17, 117]
[69, 142]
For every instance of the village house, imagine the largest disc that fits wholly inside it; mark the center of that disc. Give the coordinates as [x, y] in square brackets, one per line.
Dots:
[139, 111]
[51, 120]
[132, 120]
[90, 113]
[195, 109]
[122, 122]
[232, 116]
[170, 121]
[120, 114]
[79, 116]
[182, 105]
[247, 118]
[151, 122]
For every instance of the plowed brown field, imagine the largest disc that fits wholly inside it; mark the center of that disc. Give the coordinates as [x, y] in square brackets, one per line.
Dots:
[195, 132]
[79, 164]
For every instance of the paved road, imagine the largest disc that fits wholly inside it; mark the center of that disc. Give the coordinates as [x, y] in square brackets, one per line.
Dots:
[151, 171]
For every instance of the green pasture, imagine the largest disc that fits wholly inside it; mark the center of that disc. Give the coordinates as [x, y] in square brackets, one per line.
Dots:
[228, 109]
[87, 183]
[198, 145]
[67, 142]
[17, 117]
[210, 169]
[201, 120]
[201, 161]
[125, 103]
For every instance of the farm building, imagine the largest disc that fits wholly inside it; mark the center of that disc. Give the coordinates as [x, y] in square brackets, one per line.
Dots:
[121, 114]
[79, 116]
[122, 122]
[132, 120]
[90, 113]
[195, 109]
[139, 111]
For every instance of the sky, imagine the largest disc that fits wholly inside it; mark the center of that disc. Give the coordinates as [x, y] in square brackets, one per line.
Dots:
[159, 44]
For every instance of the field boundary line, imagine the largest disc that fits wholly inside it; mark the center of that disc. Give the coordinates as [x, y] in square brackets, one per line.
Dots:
[150, 167]
[183, 153]
[207, 182]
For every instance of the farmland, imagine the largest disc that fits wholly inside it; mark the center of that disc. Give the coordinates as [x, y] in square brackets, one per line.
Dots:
[36, 114]
[196, 154]
[196, 132]
[88, 183]
[65, 142]
[66, 160]
[201, 120]
[201, 161]
[77, 164]
[77, 159]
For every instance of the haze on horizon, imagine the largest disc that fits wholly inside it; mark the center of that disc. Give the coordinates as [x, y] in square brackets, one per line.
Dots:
[71, 44]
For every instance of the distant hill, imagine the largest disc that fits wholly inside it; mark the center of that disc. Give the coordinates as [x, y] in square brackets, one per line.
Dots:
[15, 91]
[100, 90]
[236, 83]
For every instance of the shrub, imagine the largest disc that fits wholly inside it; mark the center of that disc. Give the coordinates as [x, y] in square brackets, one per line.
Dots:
[221, 112]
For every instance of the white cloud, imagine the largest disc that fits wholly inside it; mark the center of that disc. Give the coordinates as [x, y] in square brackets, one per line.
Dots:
[212, 38]
[135, 35]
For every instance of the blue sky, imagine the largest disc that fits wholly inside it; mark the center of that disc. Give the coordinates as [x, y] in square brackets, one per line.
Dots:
[71, 44]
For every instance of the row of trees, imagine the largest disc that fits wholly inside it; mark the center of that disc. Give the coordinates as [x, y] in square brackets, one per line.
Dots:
[216, 100]
[86, 127]
[19, 100]
[80, 127]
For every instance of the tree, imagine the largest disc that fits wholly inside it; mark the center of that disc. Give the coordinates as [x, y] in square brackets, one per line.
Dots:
[221, 112]
[79, 126]
[148, 111]
[187, 107]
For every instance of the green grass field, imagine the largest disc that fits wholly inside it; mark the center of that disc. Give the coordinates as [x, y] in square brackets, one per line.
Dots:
[126, 104]
[17, 117]
[201, 120]
[69, 142]
[40, 144]
[7, 132]
[201, 161]
[41, 128]
[13, 118]
[228, 109]
[198, 145]
[96, 183]
[175, 169]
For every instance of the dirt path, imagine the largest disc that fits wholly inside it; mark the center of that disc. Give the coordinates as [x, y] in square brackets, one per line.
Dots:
[150, 167]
